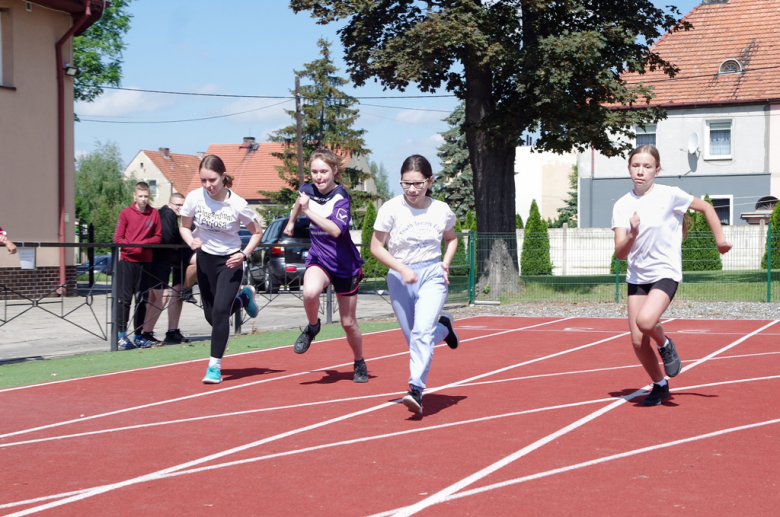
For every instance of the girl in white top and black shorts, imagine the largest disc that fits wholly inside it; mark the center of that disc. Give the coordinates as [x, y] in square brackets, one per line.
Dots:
[649, 223]
[218, 214]
[412, 226]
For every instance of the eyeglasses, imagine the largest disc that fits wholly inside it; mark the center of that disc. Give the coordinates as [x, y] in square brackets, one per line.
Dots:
[406, 185]
[178, 204]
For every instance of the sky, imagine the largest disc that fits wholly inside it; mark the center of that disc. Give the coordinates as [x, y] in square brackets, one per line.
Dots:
[246, 47]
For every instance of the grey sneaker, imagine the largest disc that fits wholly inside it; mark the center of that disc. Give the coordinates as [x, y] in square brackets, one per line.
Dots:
[452, 339]
[361, 372]
[142, 342]
[149, 336]
[657, 395]
[413, 401]
[125, 343]
[672, 363]
[304, 340]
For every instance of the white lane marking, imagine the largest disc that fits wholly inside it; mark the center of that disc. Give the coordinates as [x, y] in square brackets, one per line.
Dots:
[389, 435]
[652, 448]
[456, 487]
[155, 475]
[241, 386]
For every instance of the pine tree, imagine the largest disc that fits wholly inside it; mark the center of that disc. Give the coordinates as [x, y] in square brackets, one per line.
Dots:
[455, 180]
[327, 121]
[535, 258]
[471, 221]
[379, 173]
[518, 222]
[372, 268]
[774, 222]
[568, 213]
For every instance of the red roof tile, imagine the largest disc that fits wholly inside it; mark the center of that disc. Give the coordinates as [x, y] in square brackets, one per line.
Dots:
[745, 30]
[179, 168]
[252, 170]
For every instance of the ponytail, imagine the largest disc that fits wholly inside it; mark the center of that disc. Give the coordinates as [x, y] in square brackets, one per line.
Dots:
[227, 180]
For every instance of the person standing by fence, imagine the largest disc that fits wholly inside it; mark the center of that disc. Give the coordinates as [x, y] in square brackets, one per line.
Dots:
[5, 241]
[649, 224]
[333, 258]
[413, 226]
[218, 213]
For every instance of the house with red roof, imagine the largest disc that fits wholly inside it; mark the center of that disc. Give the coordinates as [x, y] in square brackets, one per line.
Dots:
[164, 171]
[721, 136]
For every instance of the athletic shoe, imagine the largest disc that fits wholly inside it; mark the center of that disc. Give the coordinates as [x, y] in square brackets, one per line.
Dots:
[175, 337]
[188, 297]
[413, 401]
[142, 342]
[452, 339]
[361, 372]
[304, 340]
[657, 395]
[149, 336]
[672, 364]
[213, 375]
[250, 309]
[124, 343]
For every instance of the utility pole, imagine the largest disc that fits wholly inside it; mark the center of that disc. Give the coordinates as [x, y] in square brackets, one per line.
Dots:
[299, 129]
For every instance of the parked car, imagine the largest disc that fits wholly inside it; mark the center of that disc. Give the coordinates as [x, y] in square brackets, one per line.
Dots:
[280, 260]
[102, 265]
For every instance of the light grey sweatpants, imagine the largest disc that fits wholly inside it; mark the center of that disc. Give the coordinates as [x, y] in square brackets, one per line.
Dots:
[417, 307]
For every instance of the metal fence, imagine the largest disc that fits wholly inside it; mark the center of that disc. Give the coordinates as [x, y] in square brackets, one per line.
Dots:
[578, 265]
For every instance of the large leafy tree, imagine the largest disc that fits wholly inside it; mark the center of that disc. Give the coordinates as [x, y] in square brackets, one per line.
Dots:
[101, 190]
[550, 66]
[98, 52]
[454, 182]
[328, 117]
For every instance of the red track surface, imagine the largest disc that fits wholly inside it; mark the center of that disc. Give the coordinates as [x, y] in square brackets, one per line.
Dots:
[527, 417]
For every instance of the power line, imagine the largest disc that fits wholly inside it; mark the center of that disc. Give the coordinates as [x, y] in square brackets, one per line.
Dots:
[258, 96]
[182, 120]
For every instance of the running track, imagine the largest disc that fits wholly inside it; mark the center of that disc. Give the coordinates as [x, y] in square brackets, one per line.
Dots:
[530, 416]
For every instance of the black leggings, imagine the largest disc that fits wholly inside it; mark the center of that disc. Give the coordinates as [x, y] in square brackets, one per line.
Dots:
[219, 285]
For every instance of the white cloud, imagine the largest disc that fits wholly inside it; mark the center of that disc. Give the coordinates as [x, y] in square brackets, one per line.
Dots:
[209, 88]
[123, 102]
[419, 117]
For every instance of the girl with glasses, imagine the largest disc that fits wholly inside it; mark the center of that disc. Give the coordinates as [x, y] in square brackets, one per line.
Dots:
[412, 226]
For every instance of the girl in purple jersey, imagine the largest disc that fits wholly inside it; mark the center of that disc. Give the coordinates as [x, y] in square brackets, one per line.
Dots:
[333, 257]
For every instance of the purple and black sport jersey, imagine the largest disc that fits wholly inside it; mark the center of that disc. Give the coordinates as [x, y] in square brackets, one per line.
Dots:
[337, 255]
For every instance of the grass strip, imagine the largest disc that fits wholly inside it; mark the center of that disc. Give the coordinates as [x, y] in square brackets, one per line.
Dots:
[59, 368]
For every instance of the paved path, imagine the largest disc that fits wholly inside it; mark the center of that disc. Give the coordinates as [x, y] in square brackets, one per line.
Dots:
[38, 334]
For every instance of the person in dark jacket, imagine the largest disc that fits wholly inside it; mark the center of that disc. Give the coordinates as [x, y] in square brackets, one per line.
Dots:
[138, 224]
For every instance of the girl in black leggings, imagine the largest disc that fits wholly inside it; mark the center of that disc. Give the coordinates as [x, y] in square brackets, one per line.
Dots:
[218, 214]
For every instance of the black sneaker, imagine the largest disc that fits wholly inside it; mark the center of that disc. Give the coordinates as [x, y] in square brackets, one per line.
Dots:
[149, 337]
[452, 339]
[672, 364]
[657, 395]
[413, 401]
[188, 297]
[361, 372]
[304, 340]
[175, 337]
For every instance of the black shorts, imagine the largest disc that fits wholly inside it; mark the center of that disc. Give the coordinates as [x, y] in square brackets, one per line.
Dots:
[345, 286]
[666, 285]
[157, 275]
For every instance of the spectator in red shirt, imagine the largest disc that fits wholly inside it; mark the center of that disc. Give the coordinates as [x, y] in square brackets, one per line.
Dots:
[5, 241]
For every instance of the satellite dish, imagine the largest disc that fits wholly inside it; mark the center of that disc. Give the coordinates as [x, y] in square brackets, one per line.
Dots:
[693, 143]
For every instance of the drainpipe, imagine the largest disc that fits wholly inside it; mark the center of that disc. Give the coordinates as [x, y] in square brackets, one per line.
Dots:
[61, 132]
[590, 193]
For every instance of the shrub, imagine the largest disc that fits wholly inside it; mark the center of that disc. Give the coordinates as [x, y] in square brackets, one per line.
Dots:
[699, 251]
[535, 257]
[774, 222]
[372, 267]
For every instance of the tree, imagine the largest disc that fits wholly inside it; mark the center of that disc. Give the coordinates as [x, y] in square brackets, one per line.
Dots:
[379, 173]
[101, 190]
[568, 213]
[535, 258]
[699, 250]
[97, 53]
[455, 179]
[774, 221]
[518, 222]
[327, 120]
[372, 268]
[521, 66]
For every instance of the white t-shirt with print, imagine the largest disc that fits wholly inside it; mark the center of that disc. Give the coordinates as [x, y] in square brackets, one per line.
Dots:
[217, 222]
[414, 233]
[656, 252]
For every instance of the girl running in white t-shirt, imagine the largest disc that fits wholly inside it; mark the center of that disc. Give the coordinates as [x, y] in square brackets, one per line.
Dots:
[333, 258]
[418, 277]
[649, 224]
[218, 213]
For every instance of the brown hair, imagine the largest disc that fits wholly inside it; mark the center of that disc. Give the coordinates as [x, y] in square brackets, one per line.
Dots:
[214, 163]
[330, 158]
[142, 186]
[417, 162]
[653, 151]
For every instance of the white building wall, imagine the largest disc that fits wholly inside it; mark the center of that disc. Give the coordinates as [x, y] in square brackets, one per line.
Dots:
[543, 177]
[144, 170]
[774, 149]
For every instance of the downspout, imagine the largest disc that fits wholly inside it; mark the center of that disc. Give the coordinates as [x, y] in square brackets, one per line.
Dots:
[61, 132]
[590, 193]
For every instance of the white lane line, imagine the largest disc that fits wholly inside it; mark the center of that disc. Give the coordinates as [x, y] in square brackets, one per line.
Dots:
[389, 435]
[456, 487]
[652, 448]
[155, 475]
[245, 385]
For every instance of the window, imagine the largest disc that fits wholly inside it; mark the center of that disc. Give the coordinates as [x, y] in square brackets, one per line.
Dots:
[723, 207]
[718, 140]
[730, 66]
[152, 187]
[645, 136]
